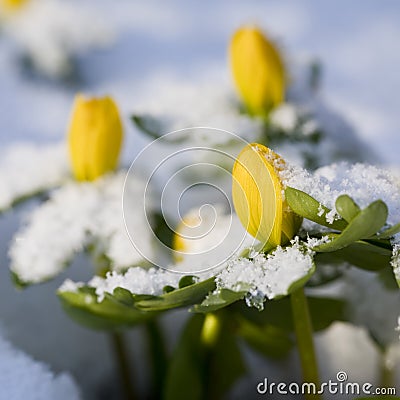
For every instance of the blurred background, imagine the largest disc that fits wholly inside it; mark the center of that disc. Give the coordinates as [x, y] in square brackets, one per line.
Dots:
[124, 48]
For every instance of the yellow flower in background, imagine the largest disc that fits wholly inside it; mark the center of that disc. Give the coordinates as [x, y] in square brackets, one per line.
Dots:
[258, 70]
[11, 6]
[95, 137]
[258, 196]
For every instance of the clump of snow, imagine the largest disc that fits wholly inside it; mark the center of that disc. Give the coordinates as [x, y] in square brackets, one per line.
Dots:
[208, 237]
[137, 280]
[78, 214]
[26, 169]
[398, 325]
[364, 183]
[285, 117]
[22, 378]
[271, 274]
[51, 32]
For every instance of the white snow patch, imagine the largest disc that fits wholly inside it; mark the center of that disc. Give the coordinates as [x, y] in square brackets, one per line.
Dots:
[137, 280]
[364, 183]
[26, 169]
[285, 117]
[76, 215]
[22, 378]
[52, 32]
[271, 274]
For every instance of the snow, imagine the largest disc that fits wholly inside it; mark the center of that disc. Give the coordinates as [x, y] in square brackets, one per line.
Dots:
[154, 39]
[27, 168]
[184, 104]
[51, 33]
[268, 275]
[364, 183]
[22, 378]
[284, 117]
[137, 280]
[76, 215]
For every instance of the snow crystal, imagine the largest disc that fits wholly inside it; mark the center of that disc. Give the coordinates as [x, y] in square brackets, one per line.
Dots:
[26, 169]
[208, 237]
[70, 286]
[364, 183]
[23, 378]
[137, 280]
[51, 32]
[271, 274]
[77, 214]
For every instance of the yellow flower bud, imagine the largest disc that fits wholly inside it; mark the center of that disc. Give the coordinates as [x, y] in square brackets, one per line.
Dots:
[95, 137]
[258, 70]
[258, 196]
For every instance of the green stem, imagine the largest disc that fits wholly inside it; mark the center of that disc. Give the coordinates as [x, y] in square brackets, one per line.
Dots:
[121, 358]
[304, 334]
[157, 355]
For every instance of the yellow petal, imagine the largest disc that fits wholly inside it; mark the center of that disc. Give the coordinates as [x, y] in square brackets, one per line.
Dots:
[257, 193]
[257, 69]
[95, 137]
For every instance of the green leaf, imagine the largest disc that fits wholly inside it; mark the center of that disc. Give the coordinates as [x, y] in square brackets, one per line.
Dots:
[217, 300]
[124, 296]
[185, 296]
[307, 207]
[387, 277]
[108, 315]
[204, 370]
[187, 280]
[267, 340]
[361, 254]
[388, 233]
[365, 224]
[148, 125]
[184, 377]
[347, 207]
[224, 363]
[277, 313]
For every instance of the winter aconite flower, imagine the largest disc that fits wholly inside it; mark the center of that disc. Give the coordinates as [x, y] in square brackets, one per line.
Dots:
[258, 196]
[258, 70]
[95, 137]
